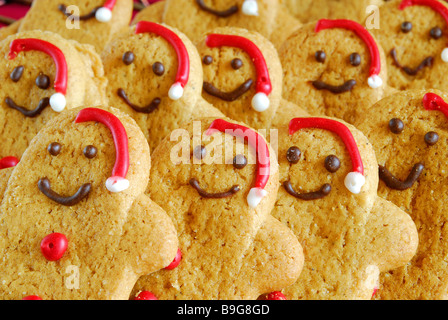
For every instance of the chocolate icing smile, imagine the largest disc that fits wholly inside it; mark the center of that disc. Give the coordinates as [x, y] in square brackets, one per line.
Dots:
[222, 14]
[323, 192]
[45, 187]
[90, 15]
[347, 86]
[227, 96]
[427, 62]
[43, 103]
[392, 182]
[148, 109]
[195, 184]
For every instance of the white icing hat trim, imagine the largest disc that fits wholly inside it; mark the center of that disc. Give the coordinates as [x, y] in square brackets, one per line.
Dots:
[250, 8]
[260, 102]
[375, 81]
[354, 182]
[58, 102]
[444, 55]
[176, 91]
[254, 197]
[117, 184]
[103, 14]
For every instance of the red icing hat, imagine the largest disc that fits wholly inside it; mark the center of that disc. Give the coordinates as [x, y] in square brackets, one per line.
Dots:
[183, 70]
[262, 151]
[57, 100]
[263, 87]
[436, 6]
[355, 179]
[117, 181]
[104, 13]
[432, 101]
[374, 80]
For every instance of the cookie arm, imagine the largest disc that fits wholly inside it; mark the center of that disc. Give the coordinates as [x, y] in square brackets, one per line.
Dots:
[149, 237]
[4, 178]
[152, 13]
[9, 30]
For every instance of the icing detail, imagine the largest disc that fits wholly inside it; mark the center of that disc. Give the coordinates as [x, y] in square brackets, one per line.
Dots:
[219, 13]
[44, 186]
[250, 7]
[43, 103]
[32, 298]
[8, 162]
[227, 96]
[145, 295]
[147, 109]
[176, 261]
[321, 193]
[53, 246]
[427, 62]
[432, 101]
[195, 184]
[347, 86]
[394, 183]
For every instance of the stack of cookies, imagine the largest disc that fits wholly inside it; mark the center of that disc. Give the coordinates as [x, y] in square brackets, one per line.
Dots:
[225, 150]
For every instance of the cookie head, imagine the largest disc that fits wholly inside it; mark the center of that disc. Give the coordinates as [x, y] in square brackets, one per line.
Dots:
[242, 74]
[325, 72]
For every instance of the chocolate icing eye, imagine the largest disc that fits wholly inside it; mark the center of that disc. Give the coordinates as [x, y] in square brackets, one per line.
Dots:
[16, 74]
[293, 155]
[158, 68]
[406, 27]
[54, 148]
[431, 138]
[436, 33]
[239, 161]
[207, 60]
[128, 57]
[42, 81]
[396, 125]
[236, 63]
[332, 163]
[320, 56]
[90, 152]
[355, 59]
[199, 152]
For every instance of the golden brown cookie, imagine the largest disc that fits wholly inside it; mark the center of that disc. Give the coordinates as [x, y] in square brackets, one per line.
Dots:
[94, 22]
[414, 37]
[218, 181]
[409, 132]
[333, 68]
[41, 75]
[9, 30]
[328, 197]
[196, 17]
[243, 76]
[155, 75]
[75, 222]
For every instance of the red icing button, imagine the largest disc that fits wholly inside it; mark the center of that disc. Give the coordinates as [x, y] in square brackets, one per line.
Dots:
[54, 246]
[8, 162]
[32, 298]
[276, 295]
[176, 261]
[146, 295]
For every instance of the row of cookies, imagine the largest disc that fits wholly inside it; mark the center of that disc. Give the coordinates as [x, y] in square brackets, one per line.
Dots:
[367, 219]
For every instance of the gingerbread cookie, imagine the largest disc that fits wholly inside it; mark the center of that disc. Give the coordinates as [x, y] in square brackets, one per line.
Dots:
[333, 68]
[328, 197]
[413, 34]
[155, 75]
[221, 179]
[41, 75]
[266, 17]
[9, 30]
[93, 22]
[243, 76]
[94, 231]
[409, 132]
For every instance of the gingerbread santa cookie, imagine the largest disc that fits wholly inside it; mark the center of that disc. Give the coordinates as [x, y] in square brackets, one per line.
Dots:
[94, 22]
[42, 74]
[243, 76]
[414, 35]
[328, 197]
[75, 222]
[155, 75]
[409, 132]
[195, 17]
[333, 68]
[221, 181]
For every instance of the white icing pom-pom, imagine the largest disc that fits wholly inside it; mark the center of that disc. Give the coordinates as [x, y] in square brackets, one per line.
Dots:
[260, 102]
[250, 8]
[254, 197]
[117, 184]
[58, 102]
[354, 182]
[103, 15]
[176, 91]
[444, 55]
[375, 81]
